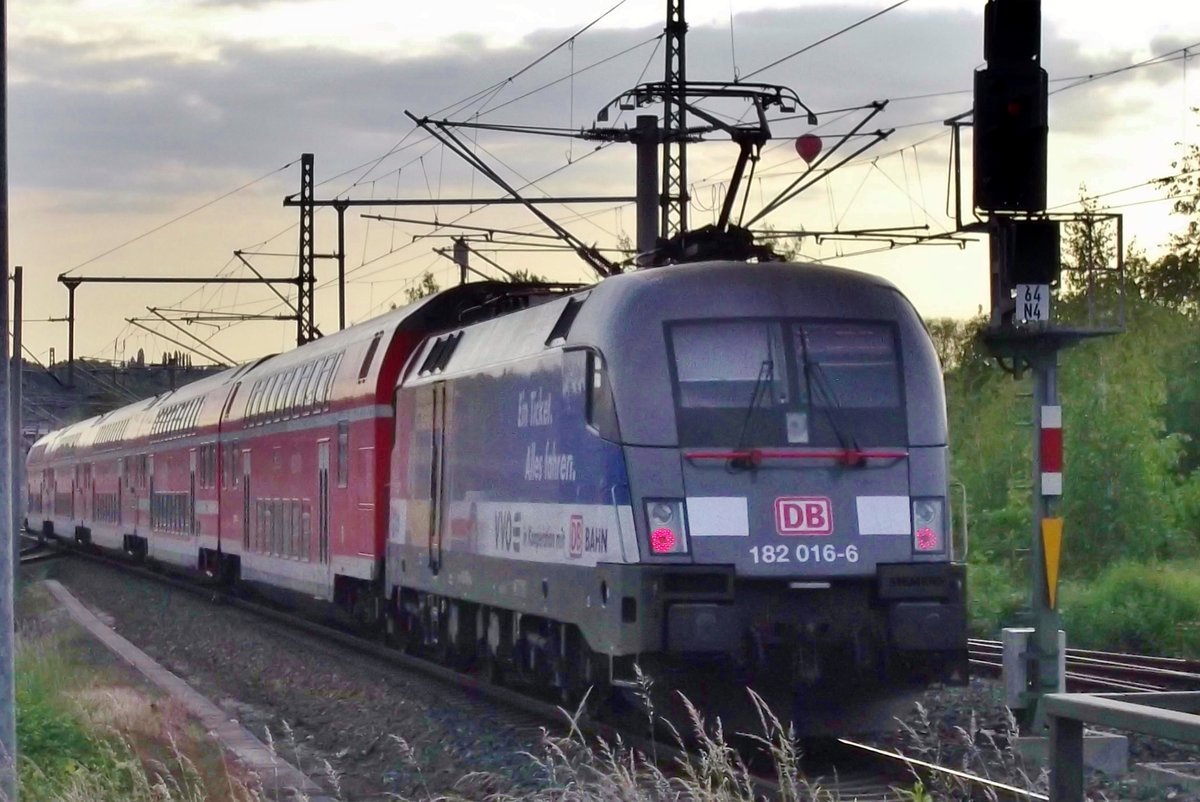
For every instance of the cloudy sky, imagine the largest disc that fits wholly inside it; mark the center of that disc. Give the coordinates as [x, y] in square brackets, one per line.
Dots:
[155, 138]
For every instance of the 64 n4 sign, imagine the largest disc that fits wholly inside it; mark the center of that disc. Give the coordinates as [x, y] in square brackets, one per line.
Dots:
[1033, 303]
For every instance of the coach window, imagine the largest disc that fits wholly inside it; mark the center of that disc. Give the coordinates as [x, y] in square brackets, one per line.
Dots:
[260, 398]
[365, 369]
[272, 404]
[277, 392]
[289, 389]
[261, 401]
[326, 370]
[327, 375]
[312, 372]
[601, 409]
[343, 453]
[300, 393]
[252, 401]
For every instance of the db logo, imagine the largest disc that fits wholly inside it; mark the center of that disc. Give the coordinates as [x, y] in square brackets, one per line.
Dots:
[803, 516]
[576, 541]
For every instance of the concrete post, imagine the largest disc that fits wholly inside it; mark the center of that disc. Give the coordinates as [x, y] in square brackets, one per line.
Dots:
[8, 565]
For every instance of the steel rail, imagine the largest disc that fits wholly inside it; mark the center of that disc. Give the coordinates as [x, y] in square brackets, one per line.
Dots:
[1089, 669]
[933, 768]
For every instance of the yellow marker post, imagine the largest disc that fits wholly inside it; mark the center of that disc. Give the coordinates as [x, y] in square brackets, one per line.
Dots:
[1052, 533]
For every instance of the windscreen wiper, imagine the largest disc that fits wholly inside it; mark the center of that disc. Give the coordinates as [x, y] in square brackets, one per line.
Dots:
[766, 373]
[845, 439]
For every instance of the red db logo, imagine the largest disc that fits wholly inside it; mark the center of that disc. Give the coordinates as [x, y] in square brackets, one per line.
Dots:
[805, 515]
[576, 541]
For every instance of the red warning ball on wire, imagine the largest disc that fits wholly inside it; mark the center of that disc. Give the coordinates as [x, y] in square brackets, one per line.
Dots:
[808, 146]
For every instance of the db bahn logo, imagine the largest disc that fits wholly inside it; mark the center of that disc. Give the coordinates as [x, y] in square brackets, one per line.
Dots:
[576, 540]
[803, 515]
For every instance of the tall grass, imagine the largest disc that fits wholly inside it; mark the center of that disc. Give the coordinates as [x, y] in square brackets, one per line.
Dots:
[54, 742]
[82, 738]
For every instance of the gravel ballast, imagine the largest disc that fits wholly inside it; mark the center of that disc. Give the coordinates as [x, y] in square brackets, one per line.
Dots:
[382, 731]
[385, 731]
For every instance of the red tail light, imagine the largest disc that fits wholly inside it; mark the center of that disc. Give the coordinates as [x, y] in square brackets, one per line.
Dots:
[927, 539]
[662, 541]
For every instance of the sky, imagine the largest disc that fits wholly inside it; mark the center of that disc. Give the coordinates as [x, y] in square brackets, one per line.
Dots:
[155, 138]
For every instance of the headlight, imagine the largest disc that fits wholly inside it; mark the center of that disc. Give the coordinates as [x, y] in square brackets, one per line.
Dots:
[929, 525]
[666, 527]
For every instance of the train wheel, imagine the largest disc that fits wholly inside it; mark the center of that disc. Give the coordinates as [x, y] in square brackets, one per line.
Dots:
[492, 651]
[586, 686]
[460, 642]
[394, 632]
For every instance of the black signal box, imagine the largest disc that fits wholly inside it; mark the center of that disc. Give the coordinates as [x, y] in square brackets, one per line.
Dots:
[1010, 131]
[1012, 32]
[1032, 255]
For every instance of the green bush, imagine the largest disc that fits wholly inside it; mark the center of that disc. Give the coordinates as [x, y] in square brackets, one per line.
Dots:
[993, 596]
[1150, 608]
[53, 741]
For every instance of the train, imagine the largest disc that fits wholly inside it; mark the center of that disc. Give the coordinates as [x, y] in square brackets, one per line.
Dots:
[716, 475]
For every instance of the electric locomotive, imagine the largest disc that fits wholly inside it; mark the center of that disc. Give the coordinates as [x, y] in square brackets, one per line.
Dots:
[726, 474]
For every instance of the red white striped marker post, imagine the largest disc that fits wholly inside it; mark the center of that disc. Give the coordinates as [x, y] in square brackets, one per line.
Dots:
[1052, 450]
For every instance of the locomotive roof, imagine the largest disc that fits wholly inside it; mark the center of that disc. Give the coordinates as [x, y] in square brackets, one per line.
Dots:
[734, 289]
[623, 318]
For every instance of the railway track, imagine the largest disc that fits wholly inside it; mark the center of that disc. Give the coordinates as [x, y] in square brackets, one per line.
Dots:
[1098, 671]
[37, 551]
[858, 771]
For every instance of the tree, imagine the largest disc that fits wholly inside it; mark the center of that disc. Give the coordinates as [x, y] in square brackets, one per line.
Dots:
[1176, 277]
[1088, 248]
[426, 285]
[521, 276]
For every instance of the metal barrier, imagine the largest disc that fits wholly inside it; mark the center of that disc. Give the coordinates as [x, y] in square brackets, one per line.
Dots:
[1170, 715]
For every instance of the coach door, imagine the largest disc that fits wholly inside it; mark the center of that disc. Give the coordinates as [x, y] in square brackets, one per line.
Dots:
[191, 521]
[246, 499]
[437, 474]
[323, 500]
[122, 481]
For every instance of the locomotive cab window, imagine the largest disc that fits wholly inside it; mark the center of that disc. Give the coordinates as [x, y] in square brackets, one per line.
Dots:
[778, 383]
[601, 409]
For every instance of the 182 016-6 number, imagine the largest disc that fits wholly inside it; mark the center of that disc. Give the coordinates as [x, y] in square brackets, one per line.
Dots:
[803, 553]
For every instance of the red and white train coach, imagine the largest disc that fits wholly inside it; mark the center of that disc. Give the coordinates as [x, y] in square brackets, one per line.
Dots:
[275, 471]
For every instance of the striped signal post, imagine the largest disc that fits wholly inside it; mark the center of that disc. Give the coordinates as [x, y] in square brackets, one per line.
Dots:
[1045, 648]
[1051, 456]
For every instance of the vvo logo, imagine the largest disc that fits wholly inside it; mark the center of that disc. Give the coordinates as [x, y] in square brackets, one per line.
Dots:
[805, 515]
[576, 540]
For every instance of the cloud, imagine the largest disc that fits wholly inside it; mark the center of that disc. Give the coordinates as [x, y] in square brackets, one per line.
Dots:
[159, 123]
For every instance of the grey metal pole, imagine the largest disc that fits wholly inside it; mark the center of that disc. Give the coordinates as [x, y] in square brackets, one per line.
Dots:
[8, 717]
[18, 425]
[461, 258]
[647, 183]
[71, 287]
[341, 264]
